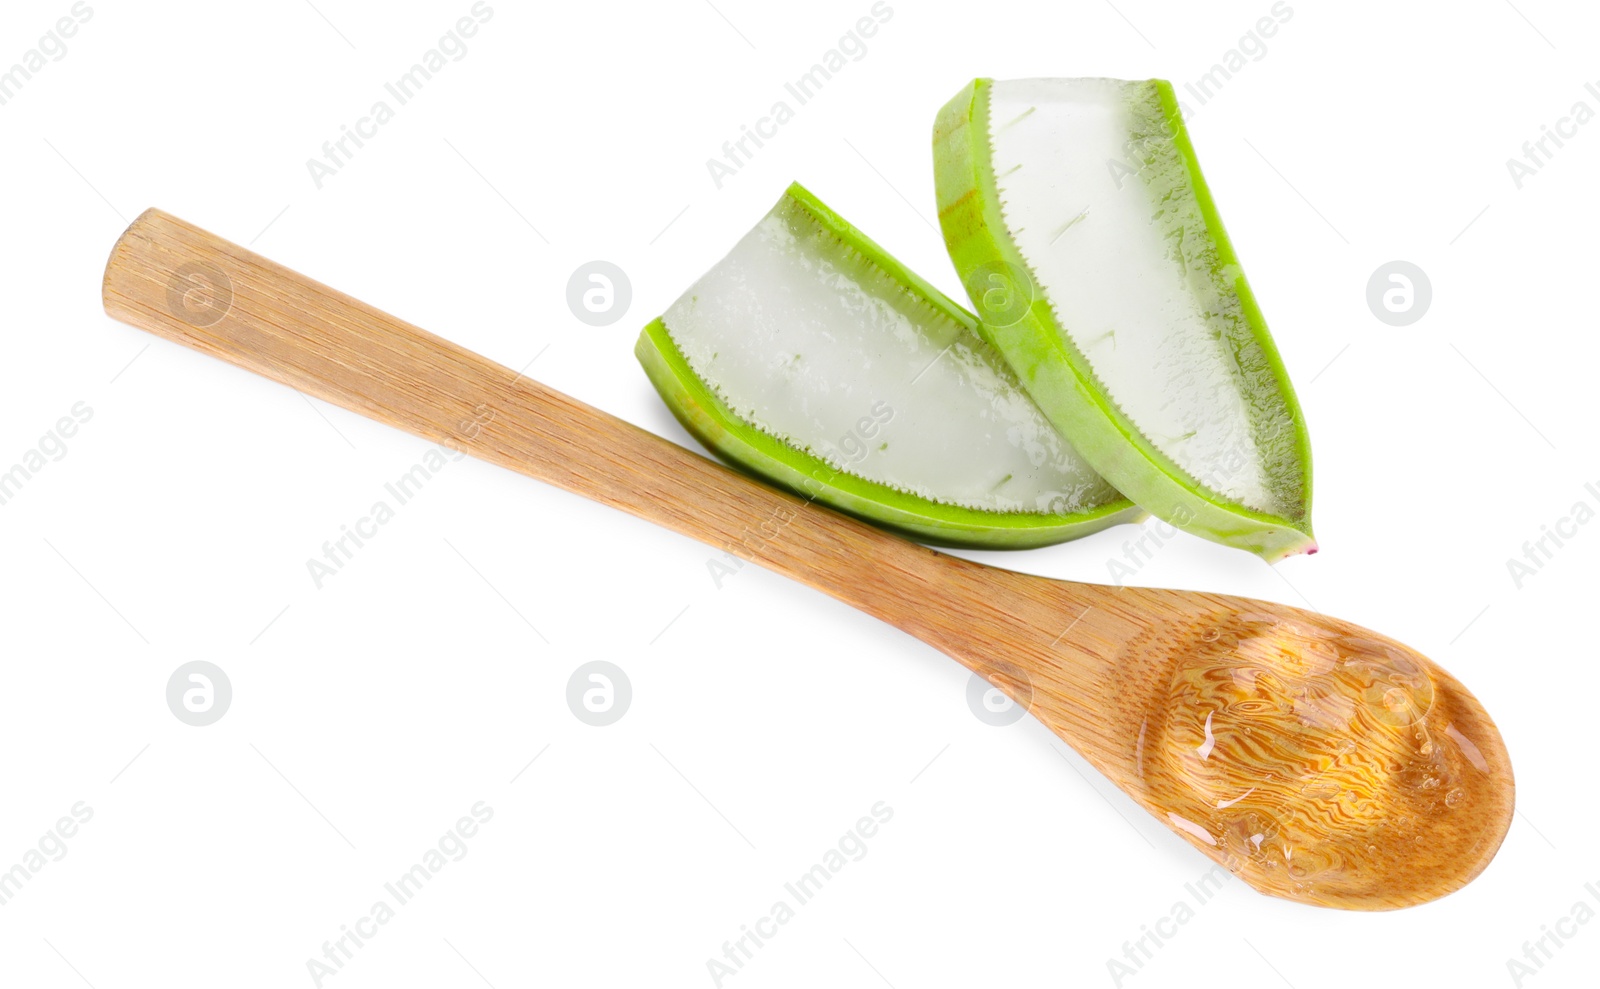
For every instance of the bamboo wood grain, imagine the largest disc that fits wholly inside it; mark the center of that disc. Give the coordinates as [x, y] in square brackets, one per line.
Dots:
[1330, 732]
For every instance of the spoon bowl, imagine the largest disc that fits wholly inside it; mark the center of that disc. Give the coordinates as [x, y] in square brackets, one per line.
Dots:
[1320, 762]
[1323, 763]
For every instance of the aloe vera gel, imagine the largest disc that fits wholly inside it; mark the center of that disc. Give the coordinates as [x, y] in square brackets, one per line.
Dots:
[1134, 282]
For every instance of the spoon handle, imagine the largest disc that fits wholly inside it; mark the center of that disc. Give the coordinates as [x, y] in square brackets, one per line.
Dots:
[185, 284]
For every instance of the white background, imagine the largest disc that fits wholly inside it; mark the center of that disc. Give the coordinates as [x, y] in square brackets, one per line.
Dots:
[370, 714]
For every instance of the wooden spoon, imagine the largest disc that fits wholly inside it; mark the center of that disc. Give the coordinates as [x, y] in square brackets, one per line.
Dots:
[1320, 762]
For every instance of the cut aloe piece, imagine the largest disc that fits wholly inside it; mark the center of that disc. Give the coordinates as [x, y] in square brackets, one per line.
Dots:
[811, 358]
[1077, 217]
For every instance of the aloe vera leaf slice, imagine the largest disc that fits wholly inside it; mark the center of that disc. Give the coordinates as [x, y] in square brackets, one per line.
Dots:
[812, 359]
[1077, 216]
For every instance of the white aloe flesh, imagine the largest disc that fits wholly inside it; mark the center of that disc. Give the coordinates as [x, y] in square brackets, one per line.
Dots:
[807, 340]
[1097, 192]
